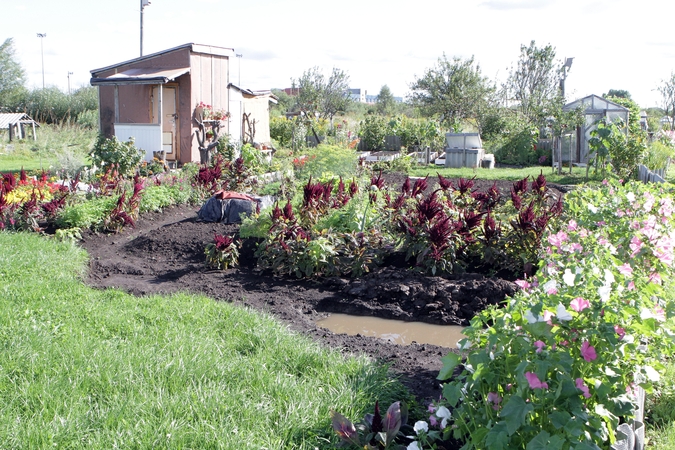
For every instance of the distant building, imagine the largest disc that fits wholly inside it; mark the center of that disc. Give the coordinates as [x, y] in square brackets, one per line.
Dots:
[358, 95]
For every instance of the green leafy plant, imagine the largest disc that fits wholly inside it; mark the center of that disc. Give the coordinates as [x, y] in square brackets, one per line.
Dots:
[223, 252]
[374, 432]
[109, 152]
[559, 365]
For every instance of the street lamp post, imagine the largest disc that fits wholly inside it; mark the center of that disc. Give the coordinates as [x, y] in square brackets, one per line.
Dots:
[565, 69]
[239, 55]
[42, 54]
[69, 74]
[144, 3]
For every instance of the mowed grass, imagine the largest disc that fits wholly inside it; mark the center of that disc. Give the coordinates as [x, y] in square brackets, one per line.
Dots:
[578, 175]
[83, 368]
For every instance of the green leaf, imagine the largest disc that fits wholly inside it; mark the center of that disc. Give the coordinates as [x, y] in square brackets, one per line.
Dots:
[514, 413]
[477, 437]
[586, 446]
[497, 438]
[450, 361]
[539, 329]
[540, 442]
[559, 419]
[452, 392]
[574, 427]
[566, 389]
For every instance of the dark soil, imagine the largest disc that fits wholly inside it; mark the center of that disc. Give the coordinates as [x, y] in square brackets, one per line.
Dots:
[164, 253]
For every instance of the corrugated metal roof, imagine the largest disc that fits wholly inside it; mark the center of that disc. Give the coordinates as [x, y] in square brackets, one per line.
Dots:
[12, 118]
[141, 76]
[197, 48]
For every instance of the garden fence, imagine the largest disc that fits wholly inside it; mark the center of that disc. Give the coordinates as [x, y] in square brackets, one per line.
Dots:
[647, 176]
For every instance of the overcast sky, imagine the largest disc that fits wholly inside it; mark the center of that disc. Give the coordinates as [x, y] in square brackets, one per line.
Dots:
[617, 44]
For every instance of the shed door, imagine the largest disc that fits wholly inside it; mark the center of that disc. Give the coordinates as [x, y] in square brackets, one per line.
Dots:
[169, 119]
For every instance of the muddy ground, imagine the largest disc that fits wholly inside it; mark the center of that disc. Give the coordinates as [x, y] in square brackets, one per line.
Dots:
[164, 253]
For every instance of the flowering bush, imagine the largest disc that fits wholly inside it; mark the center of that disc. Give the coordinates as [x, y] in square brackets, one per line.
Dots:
[208, 112]
[26, 202]
[558, 366]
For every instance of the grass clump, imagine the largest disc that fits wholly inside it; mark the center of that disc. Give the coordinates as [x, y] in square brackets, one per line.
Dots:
[83, 368]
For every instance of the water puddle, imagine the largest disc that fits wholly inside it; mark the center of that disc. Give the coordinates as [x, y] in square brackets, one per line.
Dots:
[397, 331]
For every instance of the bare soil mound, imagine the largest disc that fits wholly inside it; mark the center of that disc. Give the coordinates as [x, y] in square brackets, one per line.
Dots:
[164, 253]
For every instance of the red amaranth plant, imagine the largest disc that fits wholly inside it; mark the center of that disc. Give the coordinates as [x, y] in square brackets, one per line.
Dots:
[223, 252]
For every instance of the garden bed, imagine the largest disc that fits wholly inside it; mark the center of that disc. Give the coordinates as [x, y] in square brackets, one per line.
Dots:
[165, 253]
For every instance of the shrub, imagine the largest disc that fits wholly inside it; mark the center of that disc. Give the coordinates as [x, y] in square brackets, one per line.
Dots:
[558, 366]
[658, 155]
[372, 131]
[281, 130]
[109, 152]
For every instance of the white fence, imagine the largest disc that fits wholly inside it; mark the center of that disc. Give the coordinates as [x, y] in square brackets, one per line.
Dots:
[647, 176]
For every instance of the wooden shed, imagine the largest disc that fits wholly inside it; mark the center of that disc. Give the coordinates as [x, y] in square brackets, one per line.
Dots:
[153, 98]
[253, 110]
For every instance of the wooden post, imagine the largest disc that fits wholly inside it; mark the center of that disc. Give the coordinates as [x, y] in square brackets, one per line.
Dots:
[117, 104]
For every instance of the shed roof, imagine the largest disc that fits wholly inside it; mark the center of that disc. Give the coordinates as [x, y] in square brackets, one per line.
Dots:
[595, 103]
[141, 76]
[8, 119]
[195, 48]
[255, 93]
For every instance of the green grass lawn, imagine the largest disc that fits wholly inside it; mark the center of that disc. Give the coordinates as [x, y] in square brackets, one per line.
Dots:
[56, 146]
[83, 368]
[578, 175]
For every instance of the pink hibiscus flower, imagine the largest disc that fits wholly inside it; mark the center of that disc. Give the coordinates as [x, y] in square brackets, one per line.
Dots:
[588, 351]
[581, 386]
[534, 381]
[579, 304]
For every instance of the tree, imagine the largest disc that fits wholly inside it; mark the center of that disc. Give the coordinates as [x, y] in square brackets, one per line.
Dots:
[320, 97]
[452, 90]
[12, 77]
[667, 90]
[534, 84]
[284, 103]
[385, 103]
[619, 93]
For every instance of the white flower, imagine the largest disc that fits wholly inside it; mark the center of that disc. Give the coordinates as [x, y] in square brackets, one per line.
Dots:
[604, 291]
[530, 317]
[609, 277]
[421, 425]
[568, 277]
[646, 314]
[550, 285]
[413, 446]
[592, 208]
[631, 197]
[443, 413]
[652, 374]
[464, 344]
[561, 313]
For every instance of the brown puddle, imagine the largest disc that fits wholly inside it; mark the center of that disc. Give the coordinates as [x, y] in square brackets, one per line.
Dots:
[397, 331]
